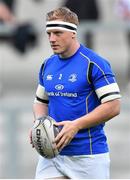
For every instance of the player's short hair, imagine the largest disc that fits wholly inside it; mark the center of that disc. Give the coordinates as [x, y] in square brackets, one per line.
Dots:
[63, 14]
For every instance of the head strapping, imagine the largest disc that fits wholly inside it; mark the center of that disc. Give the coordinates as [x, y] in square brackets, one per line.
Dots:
[61, 25]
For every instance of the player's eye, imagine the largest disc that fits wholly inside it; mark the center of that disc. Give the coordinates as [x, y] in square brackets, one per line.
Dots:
[48, 33]
[58, 32]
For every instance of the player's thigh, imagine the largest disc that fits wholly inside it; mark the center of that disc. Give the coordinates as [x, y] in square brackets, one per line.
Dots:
[46, 169]
[100, 167]
[88, 167]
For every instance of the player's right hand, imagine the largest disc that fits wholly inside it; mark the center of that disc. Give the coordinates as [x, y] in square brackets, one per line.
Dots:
[30, 137]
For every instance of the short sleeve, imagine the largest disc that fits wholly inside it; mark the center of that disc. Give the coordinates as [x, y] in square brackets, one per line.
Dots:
[104, 82]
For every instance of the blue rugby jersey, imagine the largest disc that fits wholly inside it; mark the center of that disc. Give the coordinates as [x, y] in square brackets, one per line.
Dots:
[75, 86]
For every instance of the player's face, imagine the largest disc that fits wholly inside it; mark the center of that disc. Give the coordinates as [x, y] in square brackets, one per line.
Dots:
[61, 42]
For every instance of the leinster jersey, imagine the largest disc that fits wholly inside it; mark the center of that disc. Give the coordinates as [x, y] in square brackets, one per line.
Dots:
[73, 87]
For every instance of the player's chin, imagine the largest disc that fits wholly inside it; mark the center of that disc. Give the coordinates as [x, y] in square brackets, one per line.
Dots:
[56, 51]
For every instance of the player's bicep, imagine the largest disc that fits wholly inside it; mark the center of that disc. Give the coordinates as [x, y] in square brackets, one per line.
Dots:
[41, 95]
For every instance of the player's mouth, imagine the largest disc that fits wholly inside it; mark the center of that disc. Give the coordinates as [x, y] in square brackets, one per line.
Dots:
[55, 47]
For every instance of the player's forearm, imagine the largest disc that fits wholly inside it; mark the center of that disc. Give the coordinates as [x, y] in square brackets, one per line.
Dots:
[101, 114]
[40, 110]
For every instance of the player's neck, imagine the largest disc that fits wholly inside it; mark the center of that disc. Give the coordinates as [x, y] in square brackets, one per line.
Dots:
[71, 50]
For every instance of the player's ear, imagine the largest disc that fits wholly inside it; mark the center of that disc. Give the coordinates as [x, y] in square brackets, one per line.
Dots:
[73, 35]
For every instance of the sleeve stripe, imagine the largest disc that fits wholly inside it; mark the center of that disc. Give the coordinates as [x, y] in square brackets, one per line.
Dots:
[110, 94]
[42, 100]
[41, 93]
[42, 68]
[107, 89]
[90, 72]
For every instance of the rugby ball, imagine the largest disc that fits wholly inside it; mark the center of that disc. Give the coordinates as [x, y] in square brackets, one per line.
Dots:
[43, 134]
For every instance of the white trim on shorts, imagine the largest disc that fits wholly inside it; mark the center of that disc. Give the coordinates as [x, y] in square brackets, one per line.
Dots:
[74, 167]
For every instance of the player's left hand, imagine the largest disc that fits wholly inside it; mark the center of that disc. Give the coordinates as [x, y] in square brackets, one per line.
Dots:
[68, 131]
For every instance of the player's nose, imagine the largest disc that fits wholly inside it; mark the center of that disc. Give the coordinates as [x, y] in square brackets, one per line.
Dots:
[52, 37]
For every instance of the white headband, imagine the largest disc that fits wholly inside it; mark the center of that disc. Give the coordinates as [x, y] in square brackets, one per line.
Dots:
[61, 25]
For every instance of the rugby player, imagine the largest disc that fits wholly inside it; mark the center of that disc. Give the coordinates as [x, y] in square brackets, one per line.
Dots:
[77, 88]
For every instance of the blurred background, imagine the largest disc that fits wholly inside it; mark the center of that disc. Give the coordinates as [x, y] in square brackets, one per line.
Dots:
[23, 47]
